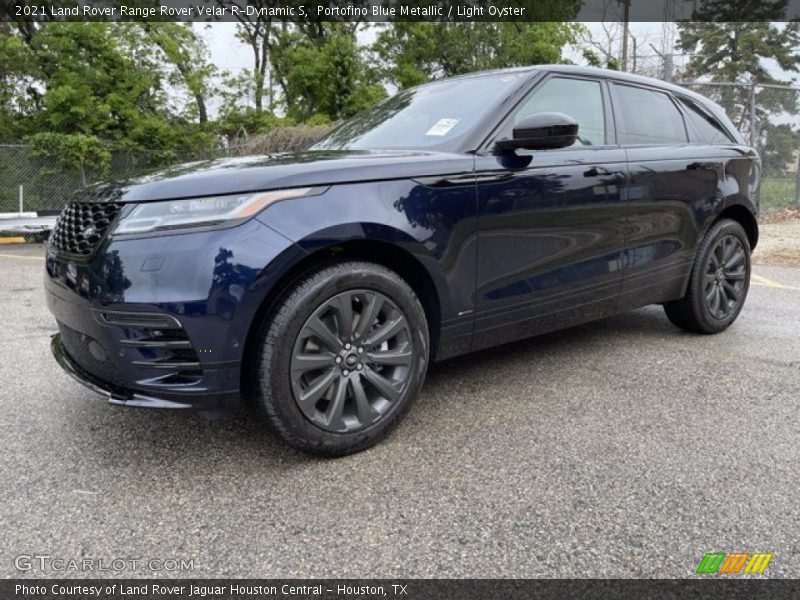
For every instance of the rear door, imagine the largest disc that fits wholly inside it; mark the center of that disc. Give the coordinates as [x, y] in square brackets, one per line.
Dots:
[550, 233]
[672, 185]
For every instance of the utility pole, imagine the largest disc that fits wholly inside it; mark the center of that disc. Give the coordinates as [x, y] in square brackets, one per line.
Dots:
[753, 113]
[626, 17]
[669, 66]
[667, 63]
[797, 179]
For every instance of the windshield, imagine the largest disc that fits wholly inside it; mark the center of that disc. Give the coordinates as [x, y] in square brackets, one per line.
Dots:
[437, 114]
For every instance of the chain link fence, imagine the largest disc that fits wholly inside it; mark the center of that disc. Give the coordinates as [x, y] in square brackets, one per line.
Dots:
[768, 116]
[29, 183]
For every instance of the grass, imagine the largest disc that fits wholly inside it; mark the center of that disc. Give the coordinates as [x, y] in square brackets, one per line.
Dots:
[777, 192]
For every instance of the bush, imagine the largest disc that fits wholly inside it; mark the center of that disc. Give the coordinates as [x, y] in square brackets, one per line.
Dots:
[72, 152]
[282, 139]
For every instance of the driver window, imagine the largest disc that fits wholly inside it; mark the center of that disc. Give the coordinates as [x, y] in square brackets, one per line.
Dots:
[581, 99]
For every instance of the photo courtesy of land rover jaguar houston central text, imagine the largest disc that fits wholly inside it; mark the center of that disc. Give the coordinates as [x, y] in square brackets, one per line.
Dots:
[317, 287]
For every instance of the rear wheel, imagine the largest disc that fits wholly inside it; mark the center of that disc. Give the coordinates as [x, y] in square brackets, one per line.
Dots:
[341, 358]
[719, 282]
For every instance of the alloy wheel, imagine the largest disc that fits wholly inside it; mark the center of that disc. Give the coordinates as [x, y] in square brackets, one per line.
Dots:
[724, 277]
[351, 360]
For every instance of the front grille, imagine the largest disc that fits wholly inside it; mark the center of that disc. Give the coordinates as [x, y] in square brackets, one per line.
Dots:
[90, 355]
[82, 225]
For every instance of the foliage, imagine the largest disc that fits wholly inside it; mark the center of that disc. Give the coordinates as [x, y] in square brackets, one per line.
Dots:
[780, 150]
[778, 192]
[283, 139]
[15, 78]
[723, 50]
[593, 59]
[71, 152]
[235, 124]
[413, 52]
[323, 73]
[102, 80]
[255, 31]
[72, 89]
[186, 53]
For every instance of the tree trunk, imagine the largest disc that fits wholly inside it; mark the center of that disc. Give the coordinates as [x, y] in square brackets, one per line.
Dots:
[202, 111]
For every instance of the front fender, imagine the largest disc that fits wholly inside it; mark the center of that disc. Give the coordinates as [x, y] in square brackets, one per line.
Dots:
[437, 226]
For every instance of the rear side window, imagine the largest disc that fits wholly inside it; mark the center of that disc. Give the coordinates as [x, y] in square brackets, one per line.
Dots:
[581, 99]
[705, 128]
[648, 117]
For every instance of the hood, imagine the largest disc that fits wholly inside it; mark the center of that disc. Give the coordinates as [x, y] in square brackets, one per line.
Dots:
[278, 171]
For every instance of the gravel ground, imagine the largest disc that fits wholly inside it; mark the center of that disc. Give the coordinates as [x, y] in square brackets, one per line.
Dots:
[623, 448]
[780, 242]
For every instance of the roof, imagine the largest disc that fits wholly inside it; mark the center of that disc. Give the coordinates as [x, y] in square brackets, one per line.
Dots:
[619, 76]
[606, 74]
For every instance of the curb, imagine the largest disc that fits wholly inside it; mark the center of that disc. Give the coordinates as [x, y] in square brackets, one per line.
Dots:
[19, 228]
[16, 239]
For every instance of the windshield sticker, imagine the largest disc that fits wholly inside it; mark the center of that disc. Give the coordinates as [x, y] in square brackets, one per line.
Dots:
[442, 127]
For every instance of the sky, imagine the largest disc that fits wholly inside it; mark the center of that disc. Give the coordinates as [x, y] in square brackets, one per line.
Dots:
[229, 54]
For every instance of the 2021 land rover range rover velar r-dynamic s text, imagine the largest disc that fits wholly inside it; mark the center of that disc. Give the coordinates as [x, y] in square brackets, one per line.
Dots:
[452, 217]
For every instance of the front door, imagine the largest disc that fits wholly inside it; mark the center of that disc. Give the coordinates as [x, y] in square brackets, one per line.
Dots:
[550, 222]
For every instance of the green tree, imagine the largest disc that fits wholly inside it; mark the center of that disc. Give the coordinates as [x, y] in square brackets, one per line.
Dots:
[187, 54]
[779, 154]
[413, 52]
[72, 152]
[103, 80]
[255, 30]
[325, 75]
[19, 98]
[724, 50]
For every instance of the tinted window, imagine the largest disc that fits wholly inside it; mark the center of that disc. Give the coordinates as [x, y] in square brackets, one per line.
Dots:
[436, 114]
[706, 128]
[648, 117]
[579, 98]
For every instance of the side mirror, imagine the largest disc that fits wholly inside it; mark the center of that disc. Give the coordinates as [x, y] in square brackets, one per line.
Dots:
[542, 131]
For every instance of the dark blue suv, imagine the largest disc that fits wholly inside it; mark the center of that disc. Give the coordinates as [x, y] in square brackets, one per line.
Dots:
[452, 217]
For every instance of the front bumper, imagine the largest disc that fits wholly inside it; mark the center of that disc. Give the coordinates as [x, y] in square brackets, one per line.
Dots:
[162, 322]
[117, 395]
[139, 358]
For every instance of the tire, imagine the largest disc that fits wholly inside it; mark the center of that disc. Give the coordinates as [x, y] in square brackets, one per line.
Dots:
[332, 384]
[718, 283]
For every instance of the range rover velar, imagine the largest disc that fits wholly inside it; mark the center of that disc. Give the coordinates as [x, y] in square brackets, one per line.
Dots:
[452, 217]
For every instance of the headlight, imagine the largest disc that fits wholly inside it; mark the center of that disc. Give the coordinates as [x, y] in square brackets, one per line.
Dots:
[198, 212]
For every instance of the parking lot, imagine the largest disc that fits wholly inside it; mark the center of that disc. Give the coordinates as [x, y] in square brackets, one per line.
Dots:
[623, 448]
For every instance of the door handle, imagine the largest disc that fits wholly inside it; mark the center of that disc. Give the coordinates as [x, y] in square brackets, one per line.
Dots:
[603, 172]
[700, 165]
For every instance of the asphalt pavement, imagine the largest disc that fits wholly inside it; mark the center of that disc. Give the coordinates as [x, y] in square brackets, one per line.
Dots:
[623, 448]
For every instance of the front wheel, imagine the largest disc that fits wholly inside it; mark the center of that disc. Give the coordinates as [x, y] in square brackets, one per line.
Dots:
[719, 281]
[341, 358]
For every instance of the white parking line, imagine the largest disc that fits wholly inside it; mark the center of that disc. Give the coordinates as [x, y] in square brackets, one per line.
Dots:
[756, 279]
[22, 256]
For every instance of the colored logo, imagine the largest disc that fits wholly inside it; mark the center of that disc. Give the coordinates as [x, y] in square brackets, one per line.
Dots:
[734, 562]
